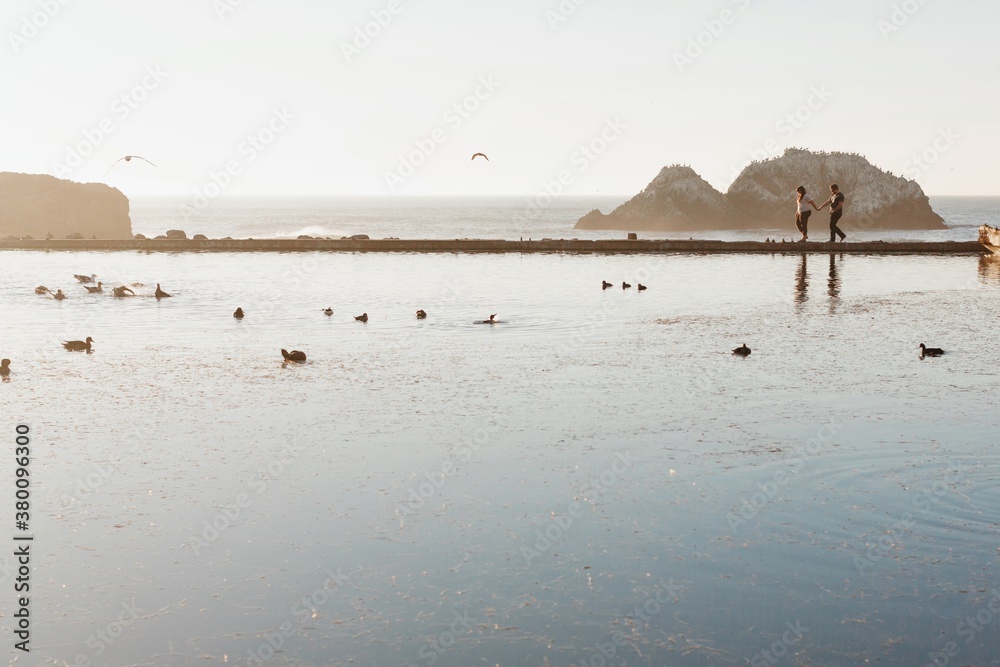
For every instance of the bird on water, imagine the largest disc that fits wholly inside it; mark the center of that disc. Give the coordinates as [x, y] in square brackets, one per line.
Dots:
[421, 314]
[492, 320]
[160, 294]
[742, 351]
[294, 355]
[328, 311]
[59, 296]
[625, 285]
[930, 351]
[122, 292]
[238, 314]
[642, 287]
[4, 368]
[41, 289]
[78, 345]
[605, 284]
[85, 279]
[363, 317]
[95, 290]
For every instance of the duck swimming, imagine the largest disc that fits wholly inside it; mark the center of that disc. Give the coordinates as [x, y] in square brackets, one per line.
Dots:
[328, 311]
[78, 345]
[742, 351]
[421, 314]
[930, 351]
[605, 284]
[122, 292]
[642, 287]
[363, 317]
[625, 285]
[41, 289]
[238, 314]
[95, 290]
[294, 355]
[492, 320]
[160, 294]
[4, 368]
[59, 296]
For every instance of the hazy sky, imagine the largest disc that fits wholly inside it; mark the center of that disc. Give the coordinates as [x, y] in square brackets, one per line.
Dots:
[289, 99]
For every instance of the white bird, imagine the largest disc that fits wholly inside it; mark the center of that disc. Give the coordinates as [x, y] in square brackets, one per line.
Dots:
[127, 158]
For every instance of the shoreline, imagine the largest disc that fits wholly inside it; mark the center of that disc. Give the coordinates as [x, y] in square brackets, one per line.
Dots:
[611, 246]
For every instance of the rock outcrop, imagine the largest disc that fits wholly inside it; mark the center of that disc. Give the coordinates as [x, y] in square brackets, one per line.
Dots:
[763, 197]
[39, 205]
[678, 198]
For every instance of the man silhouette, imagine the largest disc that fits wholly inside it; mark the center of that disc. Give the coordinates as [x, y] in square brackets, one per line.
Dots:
[836, 204]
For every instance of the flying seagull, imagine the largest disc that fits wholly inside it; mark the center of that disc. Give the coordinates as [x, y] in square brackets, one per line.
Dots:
[478, 154]
[127, 158]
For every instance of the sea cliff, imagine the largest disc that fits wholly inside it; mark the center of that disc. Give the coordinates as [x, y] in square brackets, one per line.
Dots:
[39, 206]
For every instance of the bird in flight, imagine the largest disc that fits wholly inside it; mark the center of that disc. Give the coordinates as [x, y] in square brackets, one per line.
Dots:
[127, 158]
[478, 154]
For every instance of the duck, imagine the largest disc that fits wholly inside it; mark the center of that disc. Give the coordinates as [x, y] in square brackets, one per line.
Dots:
[4, 368]
[42, 289]
[78, 345]
[625, 285]
[238, 314]
[742, 351]
[363, 317]
[85, 279]
[328, 311]
[122, 291]
[642, 287]
[59, 296]
[930, 351]
[160, 294]
[95, 290]
[492, 320]
[605, 284]
[294, 355]
[421, 314]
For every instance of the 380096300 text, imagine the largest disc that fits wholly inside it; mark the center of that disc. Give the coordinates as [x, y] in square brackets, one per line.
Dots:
[23, 538]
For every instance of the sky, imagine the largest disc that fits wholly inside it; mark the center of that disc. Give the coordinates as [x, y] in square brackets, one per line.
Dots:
[570, 97]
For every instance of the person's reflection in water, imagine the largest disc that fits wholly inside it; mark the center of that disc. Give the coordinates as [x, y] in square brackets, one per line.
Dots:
[802, 283]
[833, 283]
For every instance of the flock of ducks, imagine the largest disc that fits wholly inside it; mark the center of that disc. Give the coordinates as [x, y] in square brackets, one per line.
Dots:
[121, 291]
[605, 285]
[297, 356]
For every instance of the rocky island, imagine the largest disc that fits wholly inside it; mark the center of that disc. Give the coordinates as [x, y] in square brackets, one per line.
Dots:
[41, 206]
[763, 197]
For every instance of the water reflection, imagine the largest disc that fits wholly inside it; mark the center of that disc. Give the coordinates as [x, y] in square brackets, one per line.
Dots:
[989, 268]
[802, 281]
[833, 282]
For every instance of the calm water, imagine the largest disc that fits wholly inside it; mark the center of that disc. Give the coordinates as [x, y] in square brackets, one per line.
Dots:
[595, 480]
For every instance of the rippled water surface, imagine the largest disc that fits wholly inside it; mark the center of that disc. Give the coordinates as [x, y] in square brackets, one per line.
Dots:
[595, 480]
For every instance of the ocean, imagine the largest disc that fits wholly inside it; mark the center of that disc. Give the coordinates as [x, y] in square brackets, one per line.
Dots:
[593, 480]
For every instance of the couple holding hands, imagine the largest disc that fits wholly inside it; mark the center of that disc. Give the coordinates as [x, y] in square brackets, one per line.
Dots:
[836, 204]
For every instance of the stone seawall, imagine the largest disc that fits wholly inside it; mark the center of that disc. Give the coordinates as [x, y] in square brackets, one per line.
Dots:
[495, 246]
